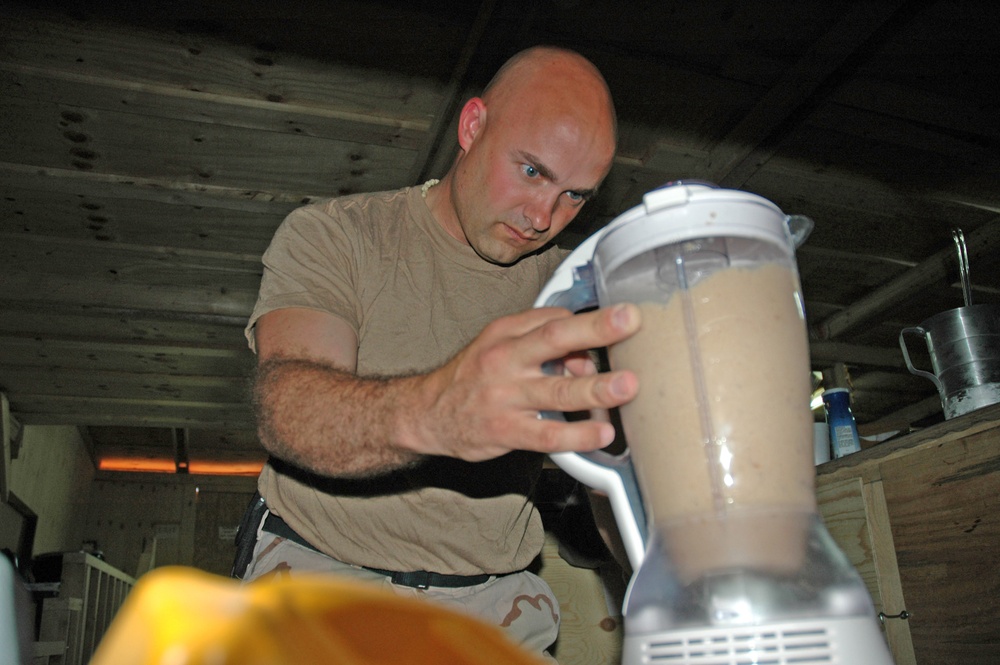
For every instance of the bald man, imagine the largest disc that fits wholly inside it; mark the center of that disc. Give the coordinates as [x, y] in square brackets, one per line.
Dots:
[399, 371]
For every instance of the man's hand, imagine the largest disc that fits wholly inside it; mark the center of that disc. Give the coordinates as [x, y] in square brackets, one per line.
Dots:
[485, 401]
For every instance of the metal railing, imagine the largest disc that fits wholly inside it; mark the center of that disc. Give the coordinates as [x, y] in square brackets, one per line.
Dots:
[90, 593]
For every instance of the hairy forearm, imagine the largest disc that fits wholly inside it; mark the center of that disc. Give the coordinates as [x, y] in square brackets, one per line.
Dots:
[331, 422]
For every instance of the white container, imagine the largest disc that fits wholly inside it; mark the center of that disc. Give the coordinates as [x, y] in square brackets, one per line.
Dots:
[821, 442]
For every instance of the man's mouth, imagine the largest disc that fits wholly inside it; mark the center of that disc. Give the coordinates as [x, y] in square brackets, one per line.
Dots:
[524, 237]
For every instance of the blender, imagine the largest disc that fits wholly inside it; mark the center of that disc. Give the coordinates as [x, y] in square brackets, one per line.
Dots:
[714, 496]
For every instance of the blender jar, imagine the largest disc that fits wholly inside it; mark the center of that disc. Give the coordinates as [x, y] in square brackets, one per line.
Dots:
[720, 433]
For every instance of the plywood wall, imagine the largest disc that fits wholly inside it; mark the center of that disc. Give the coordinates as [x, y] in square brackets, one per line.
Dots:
[192, 519]
[52, 476]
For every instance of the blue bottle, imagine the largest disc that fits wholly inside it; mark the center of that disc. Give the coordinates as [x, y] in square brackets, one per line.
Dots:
[844, 438]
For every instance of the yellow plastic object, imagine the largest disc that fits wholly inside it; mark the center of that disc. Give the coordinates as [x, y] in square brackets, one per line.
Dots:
[183, 616]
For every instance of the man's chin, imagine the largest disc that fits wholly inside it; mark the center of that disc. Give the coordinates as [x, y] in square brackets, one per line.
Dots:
[502, 254]
[506, 257]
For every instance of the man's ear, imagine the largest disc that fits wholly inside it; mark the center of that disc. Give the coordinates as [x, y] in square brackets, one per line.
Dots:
[471, 121]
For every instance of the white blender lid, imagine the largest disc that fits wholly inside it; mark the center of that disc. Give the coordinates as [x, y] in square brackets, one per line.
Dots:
[684, 211]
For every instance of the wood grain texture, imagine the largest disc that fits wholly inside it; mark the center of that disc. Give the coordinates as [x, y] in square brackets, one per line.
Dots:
[934, 495]
[590, 633]
[944, 508]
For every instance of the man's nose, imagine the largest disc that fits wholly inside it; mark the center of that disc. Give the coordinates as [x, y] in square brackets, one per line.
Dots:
[539, 213]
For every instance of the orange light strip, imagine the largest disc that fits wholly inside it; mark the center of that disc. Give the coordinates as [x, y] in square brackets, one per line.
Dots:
[163, 465]
[143, 464]
[225, 468]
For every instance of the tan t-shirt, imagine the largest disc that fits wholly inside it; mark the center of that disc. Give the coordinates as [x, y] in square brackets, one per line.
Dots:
[415, 296]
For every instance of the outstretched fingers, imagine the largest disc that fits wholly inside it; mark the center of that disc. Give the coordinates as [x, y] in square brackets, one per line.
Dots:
[583, 393]
[558, 336]
[556, 436]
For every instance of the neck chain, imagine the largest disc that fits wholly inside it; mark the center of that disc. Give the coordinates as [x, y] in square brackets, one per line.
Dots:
[427, 185]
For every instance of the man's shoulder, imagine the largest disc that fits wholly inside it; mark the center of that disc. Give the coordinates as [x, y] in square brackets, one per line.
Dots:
[365, 202]
[363, 211]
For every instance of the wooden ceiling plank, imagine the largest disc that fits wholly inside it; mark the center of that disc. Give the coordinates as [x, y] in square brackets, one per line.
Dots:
[845, 123]
[127, 404]
[917, 164]
[47, 86]
[125, 223]
[137, 413]
[58, 321]
[139, 358]
[119, 258]
[857, 213]
[900, 420]
[266, 201]
[750, 143]
[160, 300]
[918, 107]
[440, 148]
[192, 152]
[825, 353]
[984, 240]
[67, 382]
[130, 57]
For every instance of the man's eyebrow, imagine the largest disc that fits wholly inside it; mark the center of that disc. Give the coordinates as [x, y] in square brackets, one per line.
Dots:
[547, 173]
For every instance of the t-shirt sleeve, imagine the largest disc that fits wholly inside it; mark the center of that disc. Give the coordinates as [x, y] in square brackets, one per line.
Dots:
[311, 263]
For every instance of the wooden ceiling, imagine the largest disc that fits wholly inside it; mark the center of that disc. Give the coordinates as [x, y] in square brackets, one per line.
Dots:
[150, 149]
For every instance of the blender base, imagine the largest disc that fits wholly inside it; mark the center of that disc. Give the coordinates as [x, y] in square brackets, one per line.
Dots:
[824, 641]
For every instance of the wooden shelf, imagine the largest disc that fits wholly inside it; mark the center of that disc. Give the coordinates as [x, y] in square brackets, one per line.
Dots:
[919, 516]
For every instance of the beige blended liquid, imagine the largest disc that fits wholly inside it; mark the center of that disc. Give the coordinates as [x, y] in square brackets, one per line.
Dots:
[724, 461]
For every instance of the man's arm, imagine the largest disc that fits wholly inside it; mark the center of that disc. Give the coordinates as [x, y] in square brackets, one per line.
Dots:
[315, 412]
[311, 408]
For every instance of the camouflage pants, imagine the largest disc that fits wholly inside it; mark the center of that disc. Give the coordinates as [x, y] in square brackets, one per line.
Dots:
[522, 604]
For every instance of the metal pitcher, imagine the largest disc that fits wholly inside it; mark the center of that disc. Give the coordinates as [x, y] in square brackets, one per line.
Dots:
[964, 347]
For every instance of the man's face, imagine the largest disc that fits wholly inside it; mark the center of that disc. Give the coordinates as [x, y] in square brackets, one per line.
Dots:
[525, 177]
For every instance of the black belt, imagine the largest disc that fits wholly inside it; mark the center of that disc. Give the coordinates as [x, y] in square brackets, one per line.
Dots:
[418, 579]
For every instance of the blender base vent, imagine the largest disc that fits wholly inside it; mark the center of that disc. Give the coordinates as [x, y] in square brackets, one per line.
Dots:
[845, 641]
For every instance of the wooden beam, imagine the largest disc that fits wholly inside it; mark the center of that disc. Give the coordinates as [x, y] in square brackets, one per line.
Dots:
[900, 420]
[982, 241]
[754, 139]
[84, 321]
[853, 354]
[180, 441]
[438, 151]
[168, 62]
[167, 191]
[192, 152]
[50, 410]
[151, 358]
[65, 382]
[168, 101]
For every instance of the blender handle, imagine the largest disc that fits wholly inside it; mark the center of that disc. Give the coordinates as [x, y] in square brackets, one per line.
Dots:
[906, 356]
[615, 476]
[612, 474]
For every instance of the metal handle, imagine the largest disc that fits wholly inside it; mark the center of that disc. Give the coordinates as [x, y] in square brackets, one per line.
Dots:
[963, 265]
[904, 615]
[906, 355]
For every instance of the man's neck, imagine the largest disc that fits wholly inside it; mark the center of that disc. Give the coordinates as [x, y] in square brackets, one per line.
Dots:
[437, 196]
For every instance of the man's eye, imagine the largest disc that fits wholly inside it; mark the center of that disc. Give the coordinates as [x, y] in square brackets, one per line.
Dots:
[529, 170]
[575, 196]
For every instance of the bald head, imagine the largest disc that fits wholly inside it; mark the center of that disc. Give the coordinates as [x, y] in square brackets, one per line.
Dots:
[547, 74]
